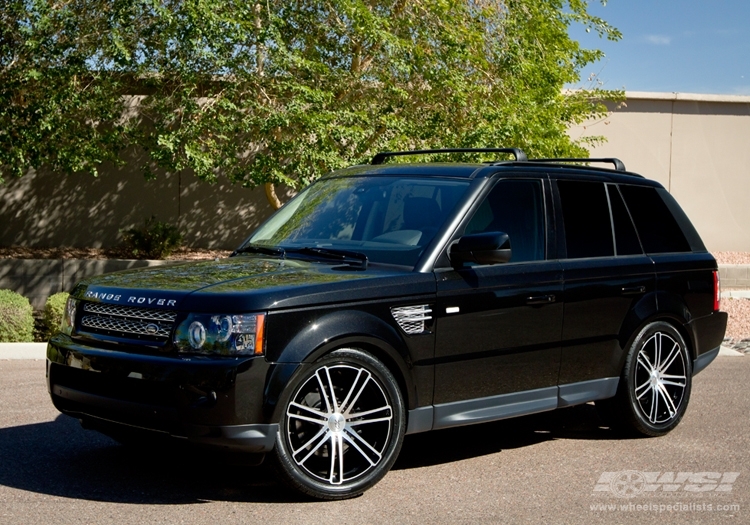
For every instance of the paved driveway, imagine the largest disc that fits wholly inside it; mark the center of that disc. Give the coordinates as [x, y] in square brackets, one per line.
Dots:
[558, 467]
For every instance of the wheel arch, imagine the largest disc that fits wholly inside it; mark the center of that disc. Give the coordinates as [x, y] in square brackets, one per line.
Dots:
[659, 306]
[342, 329]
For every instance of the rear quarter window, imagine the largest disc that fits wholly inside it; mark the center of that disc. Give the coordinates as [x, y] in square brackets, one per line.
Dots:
[657, 227]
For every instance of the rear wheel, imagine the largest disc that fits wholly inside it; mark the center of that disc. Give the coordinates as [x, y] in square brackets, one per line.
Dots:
[342, 426]
[655, 385]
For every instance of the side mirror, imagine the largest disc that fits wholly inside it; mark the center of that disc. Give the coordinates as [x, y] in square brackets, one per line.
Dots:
[481, 248]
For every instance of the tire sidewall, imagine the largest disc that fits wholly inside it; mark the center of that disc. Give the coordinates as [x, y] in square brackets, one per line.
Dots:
[298, 479]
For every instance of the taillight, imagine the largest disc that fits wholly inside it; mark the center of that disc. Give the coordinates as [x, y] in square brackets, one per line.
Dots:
[717, 291]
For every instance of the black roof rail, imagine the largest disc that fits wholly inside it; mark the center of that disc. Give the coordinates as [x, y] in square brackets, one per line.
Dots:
[380, 157]
[619, 165]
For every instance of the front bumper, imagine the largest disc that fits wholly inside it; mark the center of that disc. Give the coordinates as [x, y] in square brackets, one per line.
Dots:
[206, 400]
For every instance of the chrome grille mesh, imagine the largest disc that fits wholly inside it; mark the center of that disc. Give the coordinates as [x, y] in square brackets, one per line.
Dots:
[412, 319]
[127, 321]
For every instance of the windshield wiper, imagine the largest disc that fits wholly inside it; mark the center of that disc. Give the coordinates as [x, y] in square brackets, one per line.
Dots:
[263, 250]
[355, 259]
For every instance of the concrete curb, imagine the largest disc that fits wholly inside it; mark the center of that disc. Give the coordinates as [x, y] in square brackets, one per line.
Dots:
[736, 294]
[728, 352]
[23, 351]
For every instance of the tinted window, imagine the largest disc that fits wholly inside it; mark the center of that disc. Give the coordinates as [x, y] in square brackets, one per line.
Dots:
[657, 228]
[514, 207]
[588, 230]
[626, 240]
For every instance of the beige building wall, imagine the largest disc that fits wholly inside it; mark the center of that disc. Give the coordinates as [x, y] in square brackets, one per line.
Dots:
[697, 146]
[48, 210]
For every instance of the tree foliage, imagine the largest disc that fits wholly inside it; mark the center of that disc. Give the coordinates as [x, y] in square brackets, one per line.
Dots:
[284, 91]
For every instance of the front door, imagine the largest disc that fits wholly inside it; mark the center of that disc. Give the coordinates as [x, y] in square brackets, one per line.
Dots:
[498, 327]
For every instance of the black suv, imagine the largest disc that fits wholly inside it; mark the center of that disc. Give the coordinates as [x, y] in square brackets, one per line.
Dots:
[394, 298]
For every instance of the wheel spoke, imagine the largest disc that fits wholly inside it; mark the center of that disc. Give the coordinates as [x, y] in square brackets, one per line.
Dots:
[654, 406]
[356, 397]
[368, 412]
[644, 388]
[347, 435]
[351, 389]
[333, 392]
[657, 357]
[337, 457]
[670, 358]
[323, 393]
[308, 419]
[670, 405]
[365, 421]
[673, 383]
[644, 362]
[323, 439]
[309, 409]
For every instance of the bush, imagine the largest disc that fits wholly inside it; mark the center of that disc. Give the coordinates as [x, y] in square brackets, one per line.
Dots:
[16, 318]
[52, 314]
[156, 240]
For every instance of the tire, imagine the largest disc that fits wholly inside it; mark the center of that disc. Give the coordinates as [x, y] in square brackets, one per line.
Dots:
[342, 426]
[655, 385]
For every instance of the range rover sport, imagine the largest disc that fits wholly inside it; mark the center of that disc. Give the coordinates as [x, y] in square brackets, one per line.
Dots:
[395, 298]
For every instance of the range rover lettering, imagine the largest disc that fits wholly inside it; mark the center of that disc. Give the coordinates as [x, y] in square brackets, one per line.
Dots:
[394, 298]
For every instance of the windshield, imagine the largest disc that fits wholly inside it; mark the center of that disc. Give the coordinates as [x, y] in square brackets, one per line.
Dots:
[389, 219]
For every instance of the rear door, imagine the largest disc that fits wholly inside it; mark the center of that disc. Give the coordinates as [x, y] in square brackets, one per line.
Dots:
[606, 275]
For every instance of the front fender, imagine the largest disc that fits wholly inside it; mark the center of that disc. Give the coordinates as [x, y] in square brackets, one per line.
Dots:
[340, 329]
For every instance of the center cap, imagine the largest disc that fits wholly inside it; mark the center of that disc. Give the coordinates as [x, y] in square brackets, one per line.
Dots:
[336, 422]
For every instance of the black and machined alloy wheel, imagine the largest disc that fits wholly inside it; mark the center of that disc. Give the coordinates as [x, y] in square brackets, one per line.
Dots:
[655, 386]
[342, 426]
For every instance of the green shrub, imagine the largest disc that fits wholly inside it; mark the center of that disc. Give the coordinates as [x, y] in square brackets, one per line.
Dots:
[52, 314]
[155, 240]
[16, 318]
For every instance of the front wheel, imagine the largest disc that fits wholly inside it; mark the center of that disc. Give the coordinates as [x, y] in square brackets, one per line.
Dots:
[655, 385]
[342, 426]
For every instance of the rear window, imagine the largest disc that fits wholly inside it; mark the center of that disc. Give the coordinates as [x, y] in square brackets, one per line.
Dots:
[657, 227]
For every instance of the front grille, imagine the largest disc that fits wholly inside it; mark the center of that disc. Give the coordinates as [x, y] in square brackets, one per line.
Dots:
[127, 321]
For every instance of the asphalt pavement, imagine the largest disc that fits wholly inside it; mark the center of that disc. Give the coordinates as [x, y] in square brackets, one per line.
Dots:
[556, 467]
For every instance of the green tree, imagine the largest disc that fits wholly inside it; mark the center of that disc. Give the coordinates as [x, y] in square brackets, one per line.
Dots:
[285, 91]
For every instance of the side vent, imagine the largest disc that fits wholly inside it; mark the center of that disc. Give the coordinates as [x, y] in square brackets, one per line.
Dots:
[411, 319]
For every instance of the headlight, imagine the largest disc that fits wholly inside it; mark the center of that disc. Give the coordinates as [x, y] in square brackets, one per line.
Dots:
[221, 334]
[69, 316]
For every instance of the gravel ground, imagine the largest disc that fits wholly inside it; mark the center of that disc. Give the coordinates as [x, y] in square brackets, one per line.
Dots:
[732, 257]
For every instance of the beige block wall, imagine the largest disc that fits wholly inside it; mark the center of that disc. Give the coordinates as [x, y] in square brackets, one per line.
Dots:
[697, 146]
[47, 210]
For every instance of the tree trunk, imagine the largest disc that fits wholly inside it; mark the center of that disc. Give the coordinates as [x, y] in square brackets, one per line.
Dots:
[273, 200]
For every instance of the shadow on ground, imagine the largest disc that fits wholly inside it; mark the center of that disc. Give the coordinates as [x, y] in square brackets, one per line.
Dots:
[59, 458]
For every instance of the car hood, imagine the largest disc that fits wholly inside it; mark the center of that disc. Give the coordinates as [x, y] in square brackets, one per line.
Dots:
[248, 283]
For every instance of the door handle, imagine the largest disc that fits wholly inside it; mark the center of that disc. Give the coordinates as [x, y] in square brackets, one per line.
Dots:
[633, 290]
[540, 299]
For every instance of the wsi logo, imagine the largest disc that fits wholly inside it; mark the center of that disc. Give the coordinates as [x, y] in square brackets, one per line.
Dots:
[631, 483]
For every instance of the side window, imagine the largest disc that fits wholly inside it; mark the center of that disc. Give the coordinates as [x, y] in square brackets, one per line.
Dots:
[515, 207]
[588, 229]
[657, 228]
[626, 239]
